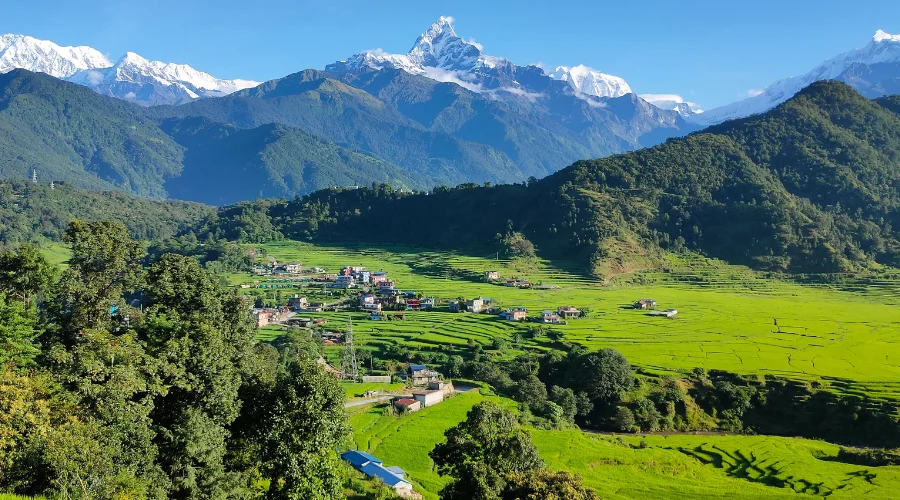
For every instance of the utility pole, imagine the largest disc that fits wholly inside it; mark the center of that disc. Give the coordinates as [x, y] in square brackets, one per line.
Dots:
[34, 176]
[351, 369]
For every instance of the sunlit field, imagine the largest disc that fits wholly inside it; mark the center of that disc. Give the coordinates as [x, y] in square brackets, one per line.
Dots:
[845, 335]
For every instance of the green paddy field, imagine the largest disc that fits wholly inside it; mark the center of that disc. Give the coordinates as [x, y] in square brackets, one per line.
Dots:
[640, 467]
[845, 333]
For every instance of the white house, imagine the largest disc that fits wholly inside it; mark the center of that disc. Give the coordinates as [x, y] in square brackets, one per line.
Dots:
[429, 397]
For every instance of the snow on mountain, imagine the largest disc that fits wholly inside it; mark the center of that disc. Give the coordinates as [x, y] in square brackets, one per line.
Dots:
[442, 55]
[439, 53]
[884, 48]
[25, 52]
[591, 82]
[136, 79]
[673, 102]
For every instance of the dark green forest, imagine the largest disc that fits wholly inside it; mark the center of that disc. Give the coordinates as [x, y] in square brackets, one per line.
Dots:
[35, 213]
[126, 379]
[810, 186]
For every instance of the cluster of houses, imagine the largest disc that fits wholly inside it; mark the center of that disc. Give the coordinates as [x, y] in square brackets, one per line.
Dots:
[485, 305]
[494, 277]
[393, 476]
[355, 276]
[432, 390]
[645, 304]
[278, 269]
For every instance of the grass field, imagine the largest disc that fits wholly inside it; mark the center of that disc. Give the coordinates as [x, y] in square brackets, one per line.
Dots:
[846, 334]
[633, 467]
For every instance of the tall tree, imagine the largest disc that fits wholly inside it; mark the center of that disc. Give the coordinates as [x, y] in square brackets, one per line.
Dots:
[301, 428]
[105, 264]
[482, 452]
[205, 337]
[17, 335]
[25, 273]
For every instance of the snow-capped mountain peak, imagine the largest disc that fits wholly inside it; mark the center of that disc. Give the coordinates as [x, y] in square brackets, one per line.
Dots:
[437, 48]
[883, 48]
[881, 36]
[673, 102]
[25, 52]
[147, 82]
[589, 81]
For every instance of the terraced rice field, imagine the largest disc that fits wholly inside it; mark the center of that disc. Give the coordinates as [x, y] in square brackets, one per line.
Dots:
[406, 440]
[633, 467]
[726, 319]
[693, 466]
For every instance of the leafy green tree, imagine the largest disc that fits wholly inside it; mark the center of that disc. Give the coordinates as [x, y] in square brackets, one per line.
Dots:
[105, 264]
[205, 337]
[565, 398]
[299, 432]
[25, 273]
[547, 485]
[624, 419]
[482, 452]
[531, 391]
[17, 335]
[603, 375]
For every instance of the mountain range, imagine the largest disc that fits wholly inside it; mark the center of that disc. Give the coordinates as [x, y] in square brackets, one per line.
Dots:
[445, 112]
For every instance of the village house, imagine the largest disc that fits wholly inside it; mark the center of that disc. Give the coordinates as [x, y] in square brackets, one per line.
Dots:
[645, 304]
[413, 304]
[378, 277]
[389, 300]
[427, 304]
[319, 322]
[263, 317]
[364, 276]
[297, 302]
[393, 477]
[345, 281]
[366, 298]
[475, 305]
[455, 306]
[517, 314]
[288, 268]
[491, 275]
[316, 306]
[568, 312]
[407, 405]
[669, 313]
[429, 397]
[422, 375]
[550, 317]
[371, 307]
[386, 283]
[329, 276]
[388, 291]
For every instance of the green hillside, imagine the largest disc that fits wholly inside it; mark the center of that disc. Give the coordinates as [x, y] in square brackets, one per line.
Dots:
[36, 213]
[811, 186]
[71, 134]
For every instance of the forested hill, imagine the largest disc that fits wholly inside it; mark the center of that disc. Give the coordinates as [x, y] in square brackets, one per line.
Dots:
[70, 133]
[35, 213]
[812, 185]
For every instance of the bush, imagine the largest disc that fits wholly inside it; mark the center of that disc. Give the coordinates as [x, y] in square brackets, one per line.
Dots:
[624, 419]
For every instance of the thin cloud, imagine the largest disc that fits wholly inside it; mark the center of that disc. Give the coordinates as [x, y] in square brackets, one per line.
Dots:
[755, 92]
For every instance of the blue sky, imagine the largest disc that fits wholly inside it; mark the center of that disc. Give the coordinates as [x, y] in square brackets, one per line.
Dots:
[711, 52]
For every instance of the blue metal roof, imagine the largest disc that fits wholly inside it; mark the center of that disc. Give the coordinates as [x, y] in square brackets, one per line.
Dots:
[358, 458]
[377, 470]
[417, 368]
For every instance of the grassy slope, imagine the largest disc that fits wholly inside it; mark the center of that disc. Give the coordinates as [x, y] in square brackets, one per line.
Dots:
[725, 320]
[683, 466]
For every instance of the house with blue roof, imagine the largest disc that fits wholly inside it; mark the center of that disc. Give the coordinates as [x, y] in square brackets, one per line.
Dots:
[372, 467]
[358, 458]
